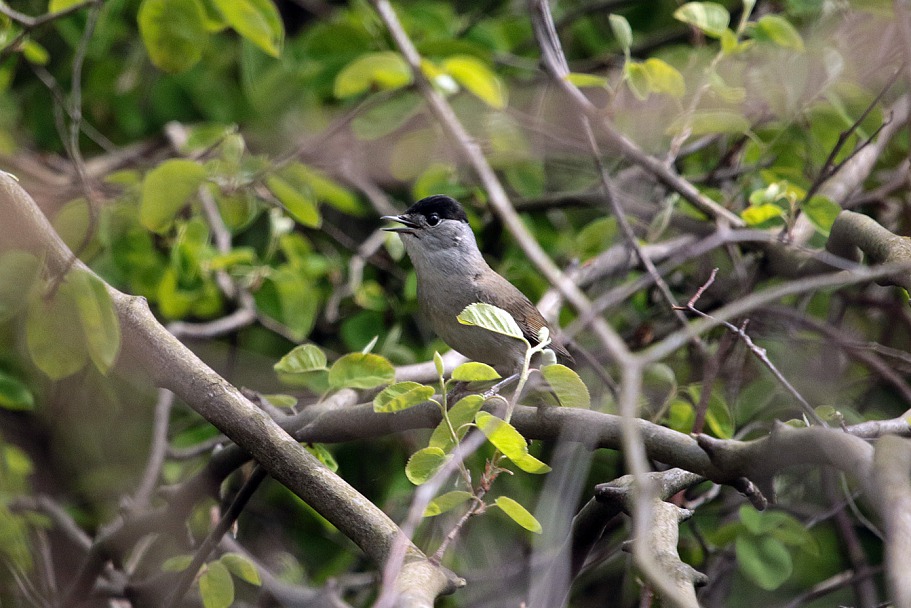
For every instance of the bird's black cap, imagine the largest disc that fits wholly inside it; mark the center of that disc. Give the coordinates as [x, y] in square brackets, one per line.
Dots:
[445, 207]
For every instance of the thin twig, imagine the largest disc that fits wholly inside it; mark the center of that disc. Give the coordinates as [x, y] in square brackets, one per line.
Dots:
[159, 448]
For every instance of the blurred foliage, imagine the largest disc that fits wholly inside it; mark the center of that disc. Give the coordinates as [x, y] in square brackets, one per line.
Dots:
[289, 132]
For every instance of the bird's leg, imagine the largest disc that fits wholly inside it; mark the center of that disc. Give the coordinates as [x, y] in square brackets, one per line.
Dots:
[495, 389]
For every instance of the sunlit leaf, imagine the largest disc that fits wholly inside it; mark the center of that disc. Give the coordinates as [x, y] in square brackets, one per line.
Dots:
[34, 52]
[756, 215]
[709, 17]
[583, 80]
[438, 363]
[477, 78]
[256, 20]
[241, 567]
[424, 464]
[55, 6]
[509, 441]
[446, 502]
[519, 514]
[302, 359]
[174, 32]
[664, 78]
[490, 318]
[460, 416]
[567, 385]
[473, 371]
[383, 70]
[637, 79]
[299, 204]
[622, 31]
[166, 189]
[359, 370]
[216, 587]
[401, 396]
[707, 122]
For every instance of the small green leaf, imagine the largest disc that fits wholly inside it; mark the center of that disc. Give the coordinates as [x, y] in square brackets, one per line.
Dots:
[54, 335]
[460, 416]
[709, 17]
[98, 319]
[302, 359]
[174, 33]
[664, 78]
[401, 396]
[241, 567]
[567, 385]
[622, 31]
[216, 587]
[778, 30]
[34, 52]
[385, 70]
[55, 6]
[764, 560]
[509, 441]
[387, 116]
[582, 80]
[299, 204]
[474, 372]
[821, 211]
[490, 318]
[19, 270]
[359, 370]
[637, 79]
[14, 394]
[323, 455]
[438, 363]
[282, 401]
[756, 215]
[166, 189]
[256, 20]
[518, 514]
[424, 464]
[178, 563]
[477, 78]
[446, 502]
[707, 122]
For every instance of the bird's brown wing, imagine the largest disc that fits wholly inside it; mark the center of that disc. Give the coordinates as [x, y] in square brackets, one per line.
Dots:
[526, 315]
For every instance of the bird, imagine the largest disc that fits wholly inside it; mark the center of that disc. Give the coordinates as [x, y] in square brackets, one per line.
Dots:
[452, 274]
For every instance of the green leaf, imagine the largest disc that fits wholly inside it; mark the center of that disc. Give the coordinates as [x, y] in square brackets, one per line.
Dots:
[424, 464]
[178, 563]
[256, 20]
[664, 78]
[385, 70]
[241, 567]
[19, 270]
[360, 370]
[707, 122]
[55, 6]
[324, 189]
[216, 587]
[323, 455]
[637, 79]
[290, 297]
[166, 189]
[446, 502]
[622, 31]
[778, 30]
[14, 394]
[438, 363]
[302, 359]
[174, 32]
[54, 335]
[764, 560]
[756, 215]
[280, 400]
[821, 211]
[709, 17]
[582, 80]
[99, 321]
[509, 441]
[518, 514]
[401, 396]
[477, 78]
[384, 118]
[34, 52]
[567, 385]
[474, 371]
[460, 416]
[298, 202]
[490, 318]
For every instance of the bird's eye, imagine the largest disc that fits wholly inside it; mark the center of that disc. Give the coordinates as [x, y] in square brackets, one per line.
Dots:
[433, 219]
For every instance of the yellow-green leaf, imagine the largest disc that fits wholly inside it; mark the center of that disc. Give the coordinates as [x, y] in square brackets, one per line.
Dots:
[664, 78]
[361, 370]
[438, 363]
[778, 30]
[477, 78]
[302, 359]
[298, 202]
[509, 441]
[256, 20]
[474, 371]
[490, 318]
[55, 6]
[177, 563]
[174, 32]
[709, 17]
[567, 385]
[34, 52]
[216, 587]
[446, 502]
[756, 215]
[54, 335]
[460, 415]
[637, 79]
[424, 464]
[583, 80]
[323, 455]
[384, 70]
[821, 211]
[707, 122]
[518, 514]
[281, 400]
[166, 189]
[241, 567]
[14, 394]
[99, 321]
[401, 396]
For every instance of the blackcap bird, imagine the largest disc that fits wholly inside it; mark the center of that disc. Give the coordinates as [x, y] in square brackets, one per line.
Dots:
[452, 274]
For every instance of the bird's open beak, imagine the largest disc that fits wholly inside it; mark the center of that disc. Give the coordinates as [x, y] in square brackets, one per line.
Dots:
[409, 226]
